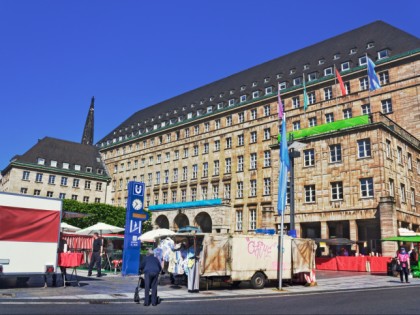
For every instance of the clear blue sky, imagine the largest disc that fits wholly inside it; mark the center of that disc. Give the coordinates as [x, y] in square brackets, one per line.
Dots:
[56, 55]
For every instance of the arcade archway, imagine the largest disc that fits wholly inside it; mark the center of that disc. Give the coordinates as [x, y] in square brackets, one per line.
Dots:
[203, 221]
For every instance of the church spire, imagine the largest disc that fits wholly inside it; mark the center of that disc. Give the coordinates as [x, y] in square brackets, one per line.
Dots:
[87, 137]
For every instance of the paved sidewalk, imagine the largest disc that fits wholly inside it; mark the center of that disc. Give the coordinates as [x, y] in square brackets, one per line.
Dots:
[115, 288]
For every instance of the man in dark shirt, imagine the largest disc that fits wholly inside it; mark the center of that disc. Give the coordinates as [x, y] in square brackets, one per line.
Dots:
[151, 268]
[97, 251]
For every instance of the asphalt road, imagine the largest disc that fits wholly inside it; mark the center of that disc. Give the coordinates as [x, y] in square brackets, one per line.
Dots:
[403, 300]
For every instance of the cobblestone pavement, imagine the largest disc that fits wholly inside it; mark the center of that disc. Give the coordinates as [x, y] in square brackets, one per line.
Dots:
[115, 288]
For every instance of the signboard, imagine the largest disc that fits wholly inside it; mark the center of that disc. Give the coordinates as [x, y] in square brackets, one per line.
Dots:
[135, 215]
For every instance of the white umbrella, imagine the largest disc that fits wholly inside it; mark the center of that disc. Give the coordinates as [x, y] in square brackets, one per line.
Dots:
[65, 227]
[100, 228]
[151, 235]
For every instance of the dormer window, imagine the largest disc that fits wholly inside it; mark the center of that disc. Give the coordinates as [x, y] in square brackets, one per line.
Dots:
[243, 87]
[321, 61]
[65, 166]
[220, 105]
[282, 85]
[155, 126]
[41, 161]
[297, 81]
[231, 92]
[88, 169]
[362, 60]
[243, 98]
[328, 71]
[267, 79]
[54, 163]
[209, 109]
[312, 76]
[255, 94]
[189, 115]
[306, 67]
[279, 75]
[353, 51]
[336, 56]
[292, 71]
[77, 167]
[221, 95]
[383, 54]
[268, 90]
[345, 66]
[231, 102]
[201, 103]
[370, 45]
[254, 84]
[100, 171]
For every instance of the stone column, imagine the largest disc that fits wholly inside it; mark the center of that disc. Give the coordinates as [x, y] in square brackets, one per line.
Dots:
[354, 234]
[325, 233]
[298, 230]
[388, 224]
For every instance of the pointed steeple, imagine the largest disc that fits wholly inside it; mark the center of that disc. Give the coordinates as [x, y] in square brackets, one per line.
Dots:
[87, 137]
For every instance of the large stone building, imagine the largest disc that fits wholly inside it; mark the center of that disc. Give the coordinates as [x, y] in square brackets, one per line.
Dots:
[210, 157]
[62, 169]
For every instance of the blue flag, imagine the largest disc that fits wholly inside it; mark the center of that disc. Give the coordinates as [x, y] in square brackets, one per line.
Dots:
[284, 169]
[373, 77]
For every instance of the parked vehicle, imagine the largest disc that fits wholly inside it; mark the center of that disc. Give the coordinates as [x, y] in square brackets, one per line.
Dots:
[29, 235]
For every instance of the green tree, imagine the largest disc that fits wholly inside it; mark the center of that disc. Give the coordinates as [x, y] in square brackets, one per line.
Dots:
[98, 212]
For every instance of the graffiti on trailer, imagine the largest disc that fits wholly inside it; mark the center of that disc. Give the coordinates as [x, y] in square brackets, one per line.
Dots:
[258, 248]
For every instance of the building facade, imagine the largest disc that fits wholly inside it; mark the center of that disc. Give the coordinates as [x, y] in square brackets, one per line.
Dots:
[210, 157]
[56, 168]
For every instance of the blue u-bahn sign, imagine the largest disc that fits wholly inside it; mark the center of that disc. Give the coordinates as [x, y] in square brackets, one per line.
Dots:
[135, 215]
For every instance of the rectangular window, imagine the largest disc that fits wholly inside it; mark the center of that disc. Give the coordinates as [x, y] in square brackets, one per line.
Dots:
[240, 140]
[297, 81]
[226, 191]
[268, 90]
[267, 110]
[24, 191]
[282, 85]
[295, 102]
[193, 194]
[329, 118]
[38, 177]
[195, 150]
[311, 98]
[231, 102]
[37, 192]
[149, 179]
[253, 114]
[167, 158]
[195, 171]
[98, 186]
[296, 125]
[97, 200]
[399, 155]
[267, 134]
[364, 148]
[310, 193]
[50, 194]
[176, 153]
[240, 163]
[183, 195]
[335, 153]
[228, 166]
[253, 188]
[253, 137]
[25, 175]
[337, 191]
[62, 196]
[347, 87]
[241, 117]
[229, 121]
[345, 66]
[73, 197]
[267, 158]
[347, 113]
[87, 184]
[413, 197]
[384, 77]
[206, 148]
[253, 161]
[328, 71]
[215, 191]
[228, 143]
[204, 192]
[267, 186]
[383, 54]
[206, 127]
[63, 181]
[216, 167]
[386, 106]
[217, 124]
[362, 60]
[252, 219]
[238, 220]
[196, 130]
[85, 199]
[409, 162]
[365, 109]
[312, 121]
[242, 98]
[388, 149]
[76, 183]
[186, 153]
[166, 177]
[239, 190]
[216, 145]
[364, 83]
[173, 194]
[366, 187]
[391, 187]
[255, 94]
[175, 175]
[205, 169]
[51, 179]
[328, 93]
[312, 76]
[309, 157]
[402, 193]
[165, 197]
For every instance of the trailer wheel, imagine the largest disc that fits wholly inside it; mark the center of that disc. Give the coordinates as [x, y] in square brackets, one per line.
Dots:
[258, 280]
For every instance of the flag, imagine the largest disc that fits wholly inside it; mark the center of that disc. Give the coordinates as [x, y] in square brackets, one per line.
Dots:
[373, 77]
[305, 95]
[340, 81]
[283, 169]
[280, 105]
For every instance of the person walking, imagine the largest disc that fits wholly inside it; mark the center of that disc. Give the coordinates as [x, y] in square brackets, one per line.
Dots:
[403, 260]
[97, 252]
[151, 267]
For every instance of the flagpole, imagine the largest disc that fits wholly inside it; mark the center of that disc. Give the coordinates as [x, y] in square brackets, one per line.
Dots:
[367, 70]
[335, 85]
[281, 242]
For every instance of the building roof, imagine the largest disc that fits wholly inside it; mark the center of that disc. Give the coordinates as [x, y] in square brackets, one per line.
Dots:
[62, 151]
[349, 46]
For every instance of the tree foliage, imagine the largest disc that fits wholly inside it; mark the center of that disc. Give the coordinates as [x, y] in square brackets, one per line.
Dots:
[98, 212]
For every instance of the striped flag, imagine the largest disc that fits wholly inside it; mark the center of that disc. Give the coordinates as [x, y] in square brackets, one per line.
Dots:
[373, 77]
[280, 104]
[340, 81]
[283, 169]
